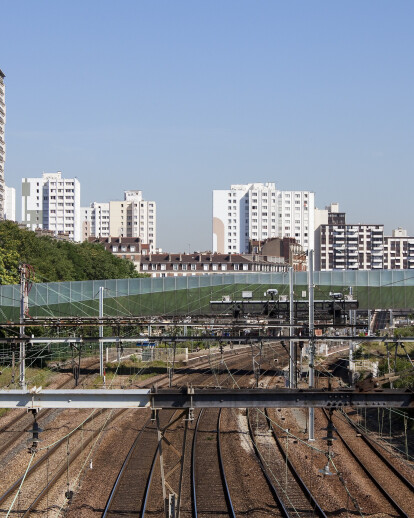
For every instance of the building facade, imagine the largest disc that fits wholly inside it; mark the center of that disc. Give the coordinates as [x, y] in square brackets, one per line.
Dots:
[259, 211]
[286, 248]
[129, 248]
[95, 220]
[10, 203]
[184, 265]
[2, 143]
[134, 217]
[399, 251]
[343, 246]
[52, 203]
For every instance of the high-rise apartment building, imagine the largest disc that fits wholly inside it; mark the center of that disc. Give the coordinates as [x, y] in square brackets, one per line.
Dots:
[95, 220]
[342, 246]
[259, 211]
[52, 203]
[134, 217]
[131, 217]
[2, 142]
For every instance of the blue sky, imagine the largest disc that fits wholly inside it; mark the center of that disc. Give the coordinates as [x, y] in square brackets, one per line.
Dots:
[178, 98]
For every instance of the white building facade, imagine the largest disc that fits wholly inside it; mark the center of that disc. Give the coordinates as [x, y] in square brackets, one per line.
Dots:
[2, 143]
[10, 203]
[52, 203]
[95, 220]
[259, 211]
[399, 251]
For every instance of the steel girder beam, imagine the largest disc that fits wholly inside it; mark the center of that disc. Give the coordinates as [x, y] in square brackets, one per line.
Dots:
[201, 398]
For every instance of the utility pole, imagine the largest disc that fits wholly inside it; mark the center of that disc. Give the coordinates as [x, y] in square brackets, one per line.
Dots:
[311, 436]
[101, 362]
[24, 308]
[292, 362]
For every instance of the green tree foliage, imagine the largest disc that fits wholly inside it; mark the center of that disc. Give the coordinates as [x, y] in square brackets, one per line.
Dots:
[54, 260]
[9, 266]
[404, 331]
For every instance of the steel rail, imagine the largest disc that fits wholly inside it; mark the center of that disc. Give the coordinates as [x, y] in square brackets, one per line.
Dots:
[226, 489]
[317, 508]
[391, 466]
[58, 474]
[369, 474]
[275, 493]
[222, 472]
[193, 483]
[63, 468]
[149, 479]
[37, 465]
[41, 415]
[122, 470]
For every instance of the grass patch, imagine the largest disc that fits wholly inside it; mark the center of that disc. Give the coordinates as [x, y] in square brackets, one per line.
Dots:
[34, 376]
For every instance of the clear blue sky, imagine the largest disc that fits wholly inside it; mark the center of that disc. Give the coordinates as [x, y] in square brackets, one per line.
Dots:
[178, 98]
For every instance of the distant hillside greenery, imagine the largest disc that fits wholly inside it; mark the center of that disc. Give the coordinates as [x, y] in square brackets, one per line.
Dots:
[54, 260]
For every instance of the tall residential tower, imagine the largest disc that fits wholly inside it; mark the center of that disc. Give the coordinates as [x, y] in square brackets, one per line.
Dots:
[2, 142]
[52, 203]
[259, 211]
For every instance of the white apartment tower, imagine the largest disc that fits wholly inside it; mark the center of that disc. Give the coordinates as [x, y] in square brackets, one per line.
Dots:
[258, 211]
[2, 142]
[134, 217]
[95, 220]
[52, 203]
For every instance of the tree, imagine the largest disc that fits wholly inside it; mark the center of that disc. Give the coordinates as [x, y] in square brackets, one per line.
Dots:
[54, 260]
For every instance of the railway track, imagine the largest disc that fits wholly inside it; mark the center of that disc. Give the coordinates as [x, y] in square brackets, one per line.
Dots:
[56, 460]
[23, 421]
[210, 491]
[393, 485]
[291, 494]
[136, 472]
[40, 493]
[133, 493]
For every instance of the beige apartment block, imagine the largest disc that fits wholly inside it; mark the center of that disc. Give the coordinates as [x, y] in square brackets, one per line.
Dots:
[134, 217]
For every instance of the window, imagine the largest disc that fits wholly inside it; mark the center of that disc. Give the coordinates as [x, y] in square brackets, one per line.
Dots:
[163, 266]
[236, 267]
[184, 267]
[224, 266]
[114, 249]
[215, 267]
[145, 267]
[194, 267]
[205, 267]
[175, 266]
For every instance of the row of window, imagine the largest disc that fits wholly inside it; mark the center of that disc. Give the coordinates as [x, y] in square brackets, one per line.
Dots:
[193, 267]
